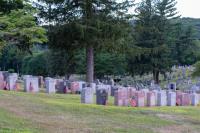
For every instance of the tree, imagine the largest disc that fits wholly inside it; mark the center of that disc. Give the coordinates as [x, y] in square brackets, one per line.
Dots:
[155, 22]
[88, 24]
[35, 64]
[7, 5]
[19, 28]
[185, 50]
[109, 64]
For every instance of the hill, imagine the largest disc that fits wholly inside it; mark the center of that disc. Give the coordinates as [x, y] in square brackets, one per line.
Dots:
[195, 23]
[57, 113]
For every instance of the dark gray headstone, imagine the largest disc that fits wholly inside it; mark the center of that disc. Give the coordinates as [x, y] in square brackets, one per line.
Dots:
[101, 97]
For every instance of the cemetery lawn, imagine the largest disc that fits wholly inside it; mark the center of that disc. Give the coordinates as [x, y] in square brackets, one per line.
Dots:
[58, 113]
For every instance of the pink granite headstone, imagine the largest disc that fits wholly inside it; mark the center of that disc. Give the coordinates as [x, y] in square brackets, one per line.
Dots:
[121, 98]
[140, 98]
[74, 86]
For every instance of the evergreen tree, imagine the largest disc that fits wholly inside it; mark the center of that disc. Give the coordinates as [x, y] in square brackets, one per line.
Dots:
[154, 26]
[185, 50]
[89, 24]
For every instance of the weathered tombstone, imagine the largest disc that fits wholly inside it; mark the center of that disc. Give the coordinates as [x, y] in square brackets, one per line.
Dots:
[140, 99]
[121, 97]
[178, 98]
[162, 98]
[50, 85]
[183, 99]
[194, 99]
[87, 95]
[151, 99]
[171, 99]
[31, 84]
[62, 86]
[145, 91]
[12, 82]
[82, 85]
[101, 97]
[57, 85]
[74, 86]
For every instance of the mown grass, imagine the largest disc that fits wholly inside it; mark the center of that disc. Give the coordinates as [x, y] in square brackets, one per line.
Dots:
[59, 113]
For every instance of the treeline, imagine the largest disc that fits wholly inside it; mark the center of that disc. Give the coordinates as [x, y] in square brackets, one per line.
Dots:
[95, 38]
[59, 63]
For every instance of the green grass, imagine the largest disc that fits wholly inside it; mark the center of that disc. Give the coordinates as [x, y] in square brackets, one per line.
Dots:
[58, 113]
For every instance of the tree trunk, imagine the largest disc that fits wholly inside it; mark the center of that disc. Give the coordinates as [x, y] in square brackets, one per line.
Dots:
[156, 76]
[90, 64]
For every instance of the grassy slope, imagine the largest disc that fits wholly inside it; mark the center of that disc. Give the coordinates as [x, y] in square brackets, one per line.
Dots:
[22, 112]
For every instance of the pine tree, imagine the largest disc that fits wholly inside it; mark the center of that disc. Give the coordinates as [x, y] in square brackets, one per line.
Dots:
[89, 24]
[154, 27]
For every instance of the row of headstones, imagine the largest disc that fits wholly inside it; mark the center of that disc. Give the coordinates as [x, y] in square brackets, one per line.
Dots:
[53, 85]
[9, 81]
[130, 97]
[124, 97]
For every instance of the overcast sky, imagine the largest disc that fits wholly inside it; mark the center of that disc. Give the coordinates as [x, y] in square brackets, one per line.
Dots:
[187, 8]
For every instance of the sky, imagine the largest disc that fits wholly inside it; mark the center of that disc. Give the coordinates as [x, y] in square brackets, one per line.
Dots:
[187, 8]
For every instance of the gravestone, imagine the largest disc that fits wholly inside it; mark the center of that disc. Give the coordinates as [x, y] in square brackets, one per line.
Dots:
[171, 99]
[12, 82]
[162, 98]
[60, 86]
[145, 91]
[63, 86]
[140, 98]
[1, 81]
[87, 95]
[172, 86]
[194, 99]
[50, 85]
[178, 98]
[31, 84]
[121, 97]
[151, 99]
[82, 85]
[101, 97]
[57, 85]
[74, 86]
[185, 99]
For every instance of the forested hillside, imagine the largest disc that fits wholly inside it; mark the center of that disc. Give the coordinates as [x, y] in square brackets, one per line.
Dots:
[195, 23]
